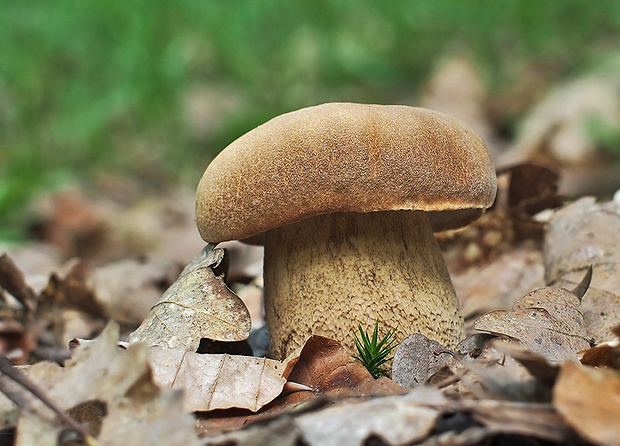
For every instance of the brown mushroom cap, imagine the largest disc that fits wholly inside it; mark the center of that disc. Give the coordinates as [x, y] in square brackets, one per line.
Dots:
[344, 157]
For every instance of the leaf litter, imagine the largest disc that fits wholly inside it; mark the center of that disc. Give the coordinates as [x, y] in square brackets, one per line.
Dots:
[198, 305]
[487, 391]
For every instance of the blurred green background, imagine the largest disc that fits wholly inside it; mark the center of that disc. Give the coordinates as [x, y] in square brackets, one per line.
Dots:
[154, 89]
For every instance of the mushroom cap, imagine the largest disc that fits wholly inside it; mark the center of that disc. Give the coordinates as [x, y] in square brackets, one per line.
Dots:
[345, 157]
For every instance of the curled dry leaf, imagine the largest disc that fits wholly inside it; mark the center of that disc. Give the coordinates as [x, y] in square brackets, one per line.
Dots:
[589, 400]
[326, 366]
[218, 381]
[581, 234]
[547, 321]
[198, 305]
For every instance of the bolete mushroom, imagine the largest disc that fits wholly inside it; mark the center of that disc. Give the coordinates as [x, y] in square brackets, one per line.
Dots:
[347, 197]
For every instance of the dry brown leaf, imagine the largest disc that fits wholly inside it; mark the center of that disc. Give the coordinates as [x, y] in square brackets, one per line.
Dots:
[581, 234]
[198, 305]
[417, 358]
[129, 288]
[326, 366]
[152, 420]
[559, 126]
[547, 321]
[537, 420]
[498, 376]
[73, 291]
[16, 343]
[322, 367]
[500, 283]
[589, 400]
[395, 420]
[12, 279]
[218, 381]
[102, 374]
[72, 222]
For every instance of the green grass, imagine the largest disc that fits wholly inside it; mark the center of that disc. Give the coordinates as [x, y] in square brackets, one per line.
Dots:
[91, 86]
[373, 352]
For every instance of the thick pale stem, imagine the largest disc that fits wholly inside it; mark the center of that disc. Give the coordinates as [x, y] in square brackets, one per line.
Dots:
[327, 274]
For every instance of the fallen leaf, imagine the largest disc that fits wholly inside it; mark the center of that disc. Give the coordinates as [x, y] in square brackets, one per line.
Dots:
[321, 368]
[101, 373]
[73, 291]
[589, 400]
[580, 235]
[198, 305]
[153, 420]
[12, 280]
[532, 188]
[537, 420]
[537, 365]
[394, 420]
[500, 283]
[417, 358]
[72, 222]
[128, 288]
[217, 381]
[497, 375]
[547, 321]
[16, 343]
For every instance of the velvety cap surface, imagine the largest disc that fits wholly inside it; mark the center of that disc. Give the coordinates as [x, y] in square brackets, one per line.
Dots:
[343, 157]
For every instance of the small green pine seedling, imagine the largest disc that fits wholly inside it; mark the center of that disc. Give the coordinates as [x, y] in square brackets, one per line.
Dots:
[372, 352]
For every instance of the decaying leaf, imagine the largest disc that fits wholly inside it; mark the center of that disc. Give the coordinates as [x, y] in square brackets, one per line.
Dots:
[581, 234]
[500, 283]
[12, 280]
[537, 365]
[73, 290]
[326, 366]
[198, 305]
[128, 288]
[589, 400]
[353, 424]
[321, 368]
[159, 420]
[16, 342]
[537, 420]
[112, 379]
[547, 321]
[396, 420]
[417, 358]
[218, 381]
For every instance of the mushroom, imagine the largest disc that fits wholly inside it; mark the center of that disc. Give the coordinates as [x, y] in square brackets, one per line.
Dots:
[346, 197]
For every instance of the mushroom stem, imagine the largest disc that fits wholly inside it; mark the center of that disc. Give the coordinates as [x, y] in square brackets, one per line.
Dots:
[326, 274]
